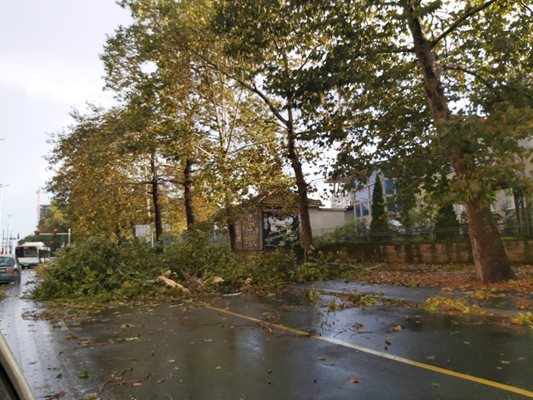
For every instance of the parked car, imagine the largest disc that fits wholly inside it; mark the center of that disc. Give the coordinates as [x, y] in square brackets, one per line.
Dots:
[13, 384]
[9, 268]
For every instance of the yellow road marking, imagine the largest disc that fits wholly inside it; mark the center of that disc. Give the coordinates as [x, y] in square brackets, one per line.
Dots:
[403, 360]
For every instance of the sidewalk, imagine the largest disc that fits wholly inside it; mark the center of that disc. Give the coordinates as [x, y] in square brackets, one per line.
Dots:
[502, 305]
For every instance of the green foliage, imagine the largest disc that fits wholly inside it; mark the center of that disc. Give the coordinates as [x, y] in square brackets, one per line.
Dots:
[183, 136]
[98, 268]
[311, 271]
[427, 87]
[486, 66]
[446, 225]
[378, 224]
[273, 268]
[96, 188]
[217, 84]
[323, 266]
[421, 218]
[192, 254]
[352, 232]
[101, 269]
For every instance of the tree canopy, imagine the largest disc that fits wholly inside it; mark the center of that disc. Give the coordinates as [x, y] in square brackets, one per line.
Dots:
[219, 100]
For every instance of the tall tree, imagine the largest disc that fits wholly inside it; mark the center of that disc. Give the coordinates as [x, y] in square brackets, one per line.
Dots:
[244, 155]
[216, 129]
[489, 253]
[91, 184]
[439, 78]
[270, 45]
[378, 224]
[145, 73]
[134, 133]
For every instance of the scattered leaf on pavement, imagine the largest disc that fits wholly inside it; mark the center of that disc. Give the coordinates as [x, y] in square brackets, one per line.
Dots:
[83, 375]
[57, 395]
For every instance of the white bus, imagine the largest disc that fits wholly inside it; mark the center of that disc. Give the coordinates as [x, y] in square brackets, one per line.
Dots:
[31, 254]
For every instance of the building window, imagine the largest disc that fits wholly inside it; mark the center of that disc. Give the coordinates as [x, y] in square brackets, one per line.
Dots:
[508, 200]
[362, 209]
[362, 202]
[390, 188]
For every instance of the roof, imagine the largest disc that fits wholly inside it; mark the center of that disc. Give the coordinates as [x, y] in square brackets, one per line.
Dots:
[35, 244]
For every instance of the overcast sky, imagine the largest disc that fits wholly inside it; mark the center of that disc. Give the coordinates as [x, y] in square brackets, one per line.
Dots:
[49, 65]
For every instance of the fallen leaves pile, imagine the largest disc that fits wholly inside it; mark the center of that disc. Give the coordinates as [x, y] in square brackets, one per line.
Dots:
[451, 275]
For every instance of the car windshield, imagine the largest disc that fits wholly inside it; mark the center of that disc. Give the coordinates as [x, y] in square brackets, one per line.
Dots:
[7, 261]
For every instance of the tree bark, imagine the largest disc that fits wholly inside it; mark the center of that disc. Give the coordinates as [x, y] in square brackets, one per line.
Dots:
[492, 264]
[231, 227]
[187, 188]
[489, 254]
[155, 199]
[301, 184]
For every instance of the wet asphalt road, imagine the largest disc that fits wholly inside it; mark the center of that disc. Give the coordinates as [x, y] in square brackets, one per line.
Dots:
[36, 345]
[176, 351]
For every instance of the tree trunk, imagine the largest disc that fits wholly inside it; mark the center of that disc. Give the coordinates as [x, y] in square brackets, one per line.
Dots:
[301, 184]
[491, 261]
[483, 231]
[518, 206]
[526, 216]
[155, 199]
[187, 187]
[231, 227]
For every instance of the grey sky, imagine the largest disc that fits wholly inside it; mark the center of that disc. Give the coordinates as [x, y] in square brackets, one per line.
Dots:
[48, 65]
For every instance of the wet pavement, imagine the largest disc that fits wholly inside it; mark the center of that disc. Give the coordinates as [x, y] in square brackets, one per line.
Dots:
[504, 305]
[408, 294]
[301, 350]
[37, 346]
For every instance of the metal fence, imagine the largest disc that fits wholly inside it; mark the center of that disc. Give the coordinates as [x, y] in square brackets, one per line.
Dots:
[358, 233]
